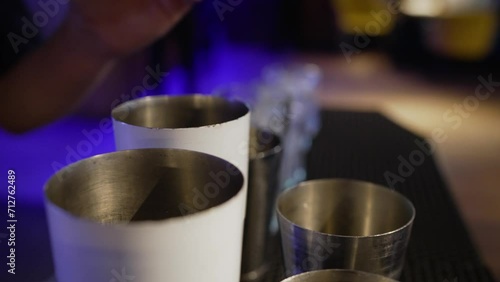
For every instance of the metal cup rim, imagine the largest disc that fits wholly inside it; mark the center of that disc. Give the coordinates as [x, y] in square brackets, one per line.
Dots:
[271, 151]
[353, 271]
[57, 177]
[376, 186]
[115, 112]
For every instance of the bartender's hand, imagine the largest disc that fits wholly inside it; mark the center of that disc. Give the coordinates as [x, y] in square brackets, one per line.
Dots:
[95, 34]
[125, 26]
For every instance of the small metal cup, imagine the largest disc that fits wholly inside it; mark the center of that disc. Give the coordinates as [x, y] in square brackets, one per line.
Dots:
[344, 224]
[265, 156]
[146, 215]
[202, 123]
[337, 275]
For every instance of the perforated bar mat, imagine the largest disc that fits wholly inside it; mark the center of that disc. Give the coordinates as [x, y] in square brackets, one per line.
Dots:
[367, 145]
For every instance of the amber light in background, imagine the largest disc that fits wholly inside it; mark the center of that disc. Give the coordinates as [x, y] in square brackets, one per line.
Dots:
[463, 30]
[466, 36]
[353, 15]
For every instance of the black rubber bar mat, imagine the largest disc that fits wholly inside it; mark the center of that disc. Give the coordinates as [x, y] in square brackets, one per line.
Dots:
[368, 146]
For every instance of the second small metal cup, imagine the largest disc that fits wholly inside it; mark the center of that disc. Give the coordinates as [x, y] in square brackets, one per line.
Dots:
[344, 224]
[265, 155]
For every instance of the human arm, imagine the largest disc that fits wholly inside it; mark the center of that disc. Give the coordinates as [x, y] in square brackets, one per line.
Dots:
[52, 80]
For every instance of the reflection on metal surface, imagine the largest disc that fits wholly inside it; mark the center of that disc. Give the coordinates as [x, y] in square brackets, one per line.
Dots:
[346, 224]
[336, 275]
[178, 111]
[138, 185]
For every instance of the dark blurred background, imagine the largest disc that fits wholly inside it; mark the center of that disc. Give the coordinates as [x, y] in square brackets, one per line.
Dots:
[413, 61]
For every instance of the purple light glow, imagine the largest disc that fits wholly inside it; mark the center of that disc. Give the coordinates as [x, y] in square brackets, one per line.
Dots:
[37, 155]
